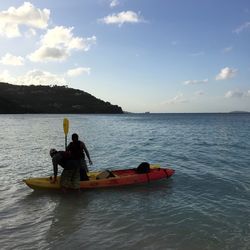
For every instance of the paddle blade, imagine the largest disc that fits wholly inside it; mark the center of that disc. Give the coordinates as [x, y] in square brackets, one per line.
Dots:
[66, 126]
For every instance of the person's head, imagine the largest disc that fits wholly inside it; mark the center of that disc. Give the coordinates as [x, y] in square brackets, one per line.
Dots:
[52, 152]
[74, 137]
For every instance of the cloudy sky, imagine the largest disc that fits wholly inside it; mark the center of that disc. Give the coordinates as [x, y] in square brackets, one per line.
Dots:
[143, 55]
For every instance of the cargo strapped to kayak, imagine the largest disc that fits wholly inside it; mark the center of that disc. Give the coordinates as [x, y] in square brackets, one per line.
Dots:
[143, 168]
[105, 174]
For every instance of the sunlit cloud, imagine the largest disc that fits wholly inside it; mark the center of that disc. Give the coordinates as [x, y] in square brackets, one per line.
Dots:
[39, 77]
[58, 43]
[9, 59]
[6, 77]
[78, 71]
[176, 100]
[35, 77]
[122, 17]
[226, 73]
[193, 82]
[25, 15]
[242, 27]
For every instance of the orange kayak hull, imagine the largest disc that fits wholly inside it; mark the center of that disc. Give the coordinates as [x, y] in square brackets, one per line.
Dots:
[128, 177]
[121, 178]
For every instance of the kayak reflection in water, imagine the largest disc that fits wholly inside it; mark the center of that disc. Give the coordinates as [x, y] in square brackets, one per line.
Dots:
[77, 151]
[70, 177]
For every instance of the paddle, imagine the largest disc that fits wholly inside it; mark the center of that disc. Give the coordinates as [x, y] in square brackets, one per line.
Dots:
[66, 130]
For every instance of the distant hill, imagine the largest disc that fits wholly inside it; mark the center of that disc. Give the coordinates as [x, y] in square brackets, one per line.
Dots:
[239, 112]
[17, 99]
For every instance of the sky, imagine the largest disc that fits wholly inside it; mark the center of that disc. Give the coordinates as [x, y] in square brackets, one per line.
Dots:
[144, 55]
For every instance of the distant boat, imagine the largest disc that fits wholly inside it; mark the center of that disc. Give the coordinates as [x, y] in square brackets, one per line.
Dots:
[147, 112]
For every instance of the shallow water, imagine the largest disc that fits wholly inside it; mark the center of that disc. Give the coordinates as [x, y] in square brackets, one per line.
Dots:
[204, 206]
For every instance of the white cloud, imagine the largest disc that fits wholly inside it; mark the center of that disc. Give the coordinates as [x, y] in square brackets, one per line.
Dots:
[78, 71]
[234, 93]
[123, 17]
[25, 15]
[57, 44]
[6, 77]
[227, 49]
[237, 94]
[35, 77]
[45, 54]
[39, 77]
[193, 82]
[200, 53]
[9, 59]
[226, 73]
[114, 3]
[242, 27]
[31, 32]
[62, 36]
[177, 99]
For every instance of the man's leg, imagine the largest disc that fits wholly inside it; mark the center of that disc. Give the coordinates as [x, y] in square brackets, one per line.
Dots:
[83, 171]
[75, 179]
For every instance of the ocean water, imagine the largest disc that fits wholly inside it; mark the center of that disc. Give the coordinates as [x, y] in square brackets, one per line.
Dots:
[205, 205]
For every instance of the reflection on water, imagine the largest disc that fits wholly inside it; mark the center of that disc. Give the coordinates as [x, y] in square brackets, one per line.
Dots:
[68, 218]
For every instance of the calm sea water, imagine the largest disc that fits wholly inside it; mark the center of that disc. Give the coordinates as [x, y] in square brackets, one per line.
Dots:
[204, 206]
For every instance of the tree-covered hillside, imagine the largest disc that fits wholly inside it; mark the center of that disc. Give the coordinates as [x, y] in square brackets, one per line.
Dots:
[51, 99]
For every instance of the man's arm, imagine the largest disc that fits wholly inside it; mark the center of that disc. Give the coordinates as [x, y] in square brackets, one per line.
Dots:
[56, 158]
[69, 146]
[87, 153]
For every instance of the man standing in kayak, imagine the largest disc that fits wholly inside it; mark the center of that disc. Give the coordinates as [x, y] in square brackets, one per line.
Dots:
[78, 150]
[70, 177]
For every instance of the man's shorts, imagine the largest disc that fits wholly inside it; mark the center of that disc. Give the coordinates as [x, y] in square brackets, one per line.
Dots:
[70, 178]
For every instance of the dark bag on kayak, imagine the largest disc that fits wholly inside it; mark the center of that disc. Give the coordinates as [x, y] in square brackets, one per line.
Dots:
[143, 168]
